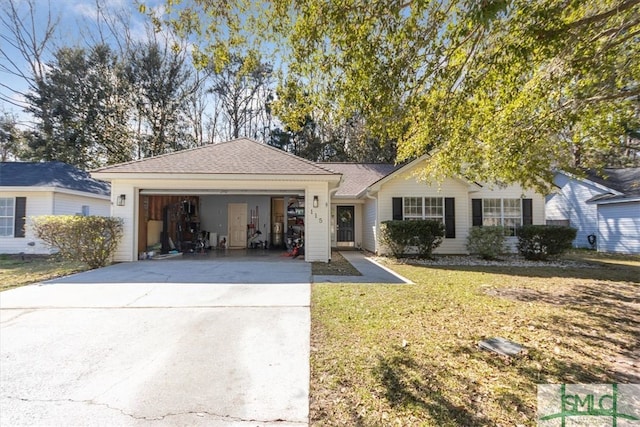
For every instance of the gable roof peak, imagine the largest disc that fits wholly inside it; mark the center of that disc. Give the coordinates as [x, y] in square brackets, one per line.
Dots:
[241, 156]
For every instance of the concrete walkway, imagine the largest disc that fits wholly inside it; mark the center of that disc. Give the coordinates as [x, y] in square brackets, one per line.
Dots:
[372, 271]
[77, 351]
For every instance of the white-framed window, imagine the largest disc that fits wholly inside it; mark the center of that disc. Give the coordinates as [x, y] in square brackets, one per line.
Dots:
[423, 208]
[434, 208]
[7, 212]
[504, 212]
[86, 211]
[412, 208]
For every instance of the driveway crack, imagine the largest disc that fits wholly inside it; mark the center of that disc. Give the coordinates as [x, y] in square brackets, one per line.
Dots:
[24, 311]
[140, 297]
[220, 417]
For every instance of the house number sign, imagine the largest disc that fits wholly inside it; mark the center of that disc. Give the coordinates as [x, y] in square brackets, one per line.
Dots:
[315, 216]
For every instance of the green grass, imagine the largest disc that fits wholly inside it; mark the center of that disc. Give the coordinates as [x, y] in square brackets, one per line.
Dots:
[407, 355]
[16, 271]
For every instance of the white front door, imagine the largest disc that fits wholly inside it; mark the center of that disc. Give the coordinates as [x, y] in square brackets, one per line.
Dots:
[237, 225]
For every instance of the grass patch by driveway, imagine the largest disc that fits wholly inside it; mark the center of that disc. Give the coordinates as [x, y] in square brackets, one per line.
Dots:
[18, 270]
[338, 266]
[407, 355]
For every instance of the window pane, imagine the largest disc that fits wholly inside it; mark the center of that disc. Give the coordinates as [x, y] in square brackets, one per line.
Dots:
[512, 208]
[6, 227]
[491, 212]
[433, 208]
[412, 207]
[6, 206]
[491, 221]
[6, 217]
[511, 224]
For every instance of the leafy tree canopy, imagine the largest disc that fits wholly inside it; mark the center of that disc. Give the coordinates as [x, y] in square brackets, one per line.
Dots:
[497, 90]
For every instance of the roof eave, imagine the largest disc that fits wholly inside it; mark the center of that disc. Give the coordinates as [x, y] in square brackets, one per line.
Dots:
[590, 182]
[613, 200]
[51, 189]
[129, 176]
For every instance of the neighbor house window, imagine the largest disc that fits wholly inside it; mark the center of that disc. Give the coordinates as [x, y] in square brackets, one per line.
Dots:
[7, 209]
[423, 208]
[504, 212]
[85, 210]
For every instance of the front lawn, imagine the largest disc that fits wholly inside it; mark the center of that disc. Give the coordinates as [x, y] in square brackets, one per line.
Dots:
[407, 355]
[19, 270]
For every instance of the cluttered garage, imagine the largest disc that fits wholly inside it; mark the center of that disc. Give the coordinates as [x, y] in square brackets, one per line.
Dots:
[234, 194]
[180, 224]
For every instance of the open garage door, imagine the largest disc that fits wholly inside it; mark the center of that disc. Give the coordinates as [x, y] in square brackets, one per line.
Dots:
[174, 223]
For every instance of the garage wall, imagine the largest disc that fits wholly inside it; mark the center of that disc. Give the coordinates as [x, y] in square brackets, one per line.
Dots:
[619, 228]
[317, 237]
[213, 213]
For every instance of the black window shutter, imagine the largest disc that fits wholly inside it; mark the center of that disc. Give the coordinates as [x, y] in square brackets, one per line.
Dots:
[449, 218]
[476, 212]
[397, 209]
[527, 211]
[19, 220]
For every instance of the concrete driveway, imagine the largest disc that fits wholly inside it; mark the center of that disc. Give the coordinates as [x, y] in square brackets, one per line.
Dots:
[159, 343]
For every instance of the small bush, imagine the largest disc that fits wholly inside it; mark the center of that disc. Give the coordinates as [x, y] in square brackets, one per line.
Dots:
[428, 235]
[395, 236]
[538, 242]
[89, 239]
[423, 235]
[486, 242]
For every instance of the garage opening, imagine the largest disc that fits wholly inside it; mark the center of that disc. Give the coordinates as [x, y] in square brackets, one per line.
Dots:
[196, 223]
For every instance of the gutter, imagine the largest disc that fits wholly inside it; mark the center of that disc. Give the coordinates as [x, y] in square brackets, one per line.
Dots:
[375, 238]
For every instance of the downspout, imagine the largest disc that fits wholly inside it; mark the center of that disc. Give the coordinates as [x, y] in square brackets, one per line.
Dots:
[375, 234]
[331, 193]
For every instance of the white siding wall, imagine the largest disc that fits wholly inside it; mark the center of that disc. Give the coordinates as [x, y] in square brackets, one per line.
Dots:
[568, 203]
[127, 250]
[369, 225]
[71, 204]
[38, 203]
[47, 203]
[317, 220]
[408, 186]
[317, 228]
[512, 192]
[619, 228]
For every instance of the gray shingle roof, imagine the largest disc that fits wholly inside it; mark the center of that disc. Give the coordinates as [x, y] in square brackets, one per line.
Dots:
[241, 156]
[50, 174]
[356, 177]
[624, 180]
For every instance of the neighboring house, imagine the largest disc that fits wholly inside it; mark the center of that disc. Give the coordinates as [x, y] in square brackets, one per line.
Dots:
[48, 188]
[605, 206]
[232, 190]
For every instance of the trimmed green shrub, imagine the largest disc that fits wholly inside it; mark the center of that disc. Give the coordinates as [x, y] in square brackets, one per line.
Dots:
[488, 242]
[395, 236]
[89, 239]
[428, 235]
[423, 235]
[538, 242]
